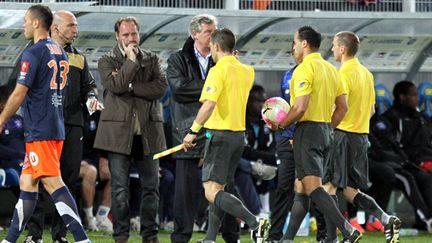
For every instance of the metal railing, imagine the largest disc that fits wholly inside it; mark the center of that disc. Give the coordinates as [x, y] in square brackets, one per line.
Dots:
[269, 5]
[326, 5]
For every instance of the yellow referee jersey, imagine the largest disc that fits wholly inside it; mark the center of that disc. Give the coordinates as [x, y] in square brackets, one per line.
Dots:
[228, 84]
[359, 83]
[319, 79]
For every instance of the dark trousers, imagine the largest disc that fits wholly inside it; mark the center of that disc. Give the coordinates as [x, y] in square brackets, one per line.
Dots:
[284, 195]
[148, 170]
[416, 185]
[70, 162]
[383, 181]
[188, 191]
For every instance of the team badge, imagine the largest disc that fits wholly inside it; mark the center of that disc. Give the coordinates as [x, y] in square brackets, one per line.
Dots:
[33, 158]
[24, 70]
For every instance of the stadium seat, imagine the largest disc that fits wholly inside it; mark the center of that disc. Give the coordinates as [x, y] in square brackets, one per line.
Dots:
[425, 98]
[382, 98]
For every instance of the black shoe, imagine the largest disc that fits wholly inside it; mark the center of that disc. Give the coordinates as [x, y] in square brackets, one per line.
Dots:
[353, 238]
[60, 240]
[30, 239]
[261, 234]
[391, 230]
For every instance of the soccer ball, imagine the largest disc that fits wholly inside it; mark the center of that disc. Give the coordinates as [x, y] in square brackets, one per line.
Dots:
[274, 110]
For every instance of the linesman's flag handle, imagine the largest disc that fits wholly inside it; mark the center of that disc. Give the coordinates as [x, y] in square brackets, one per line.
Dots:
[168, 151]
[179, 147]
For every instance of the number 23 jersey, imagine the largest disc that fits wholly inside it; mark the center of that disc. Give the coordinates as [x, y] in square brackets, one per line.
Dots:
[44, 69]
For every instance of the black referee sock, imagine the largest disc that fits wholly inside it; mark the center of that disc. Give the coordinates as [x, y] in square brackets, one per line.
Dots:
[330, 226]
[215, 216]
[368, 204]
[298, 212]
[328, 207]
[232, 205]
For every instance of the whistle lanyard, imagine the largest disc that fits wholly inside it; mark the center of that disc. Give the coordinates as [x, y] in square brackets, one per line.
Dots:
[203, 62]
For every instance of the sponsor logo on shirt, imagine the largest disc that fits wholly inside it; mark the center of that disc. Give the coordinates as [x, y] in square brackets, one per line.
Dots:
[211, 89]
[302, 84]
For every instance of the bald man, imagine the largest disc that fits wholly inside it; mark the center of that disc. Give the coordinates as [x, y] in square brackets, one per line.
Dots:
[80, 87]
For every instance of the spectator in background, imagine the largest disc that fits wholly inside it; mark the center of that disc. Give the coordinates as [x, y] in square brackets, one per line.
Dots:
[410, 127]
[412, 132]
[12, 146]
[186, 72]
[131, 126]
[393, 162]
[94, 169]
[167, 170]
[258, 154]
[80, 88]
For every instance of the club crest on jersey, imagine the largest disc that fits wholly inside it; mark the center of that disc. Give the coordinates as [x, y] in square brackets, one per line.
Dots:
[24, 70]
[33, 158]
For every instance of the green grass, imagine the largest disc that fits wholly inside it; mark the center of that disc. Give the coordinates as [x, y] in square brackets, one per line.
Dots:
[164, 236]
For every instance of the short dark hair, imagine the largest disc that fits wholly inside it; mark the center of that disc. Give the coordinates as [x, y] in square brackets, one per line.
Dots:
[43, 13]
[401, 88]
[310, 35]
[349, 40]
[126, 19]
[225, 38]
[256, 88]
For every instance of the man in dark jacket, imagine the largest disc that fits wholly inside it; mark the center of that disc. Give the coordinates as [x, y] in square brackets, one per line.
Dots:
[410, 128]
[80, 87]
[389, 158]
[186, 72]
[412, 133]
[131, 126]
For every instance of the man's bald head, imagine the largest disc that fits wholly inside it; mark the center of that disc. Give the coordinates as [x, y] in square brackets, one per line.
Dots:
[64, 28]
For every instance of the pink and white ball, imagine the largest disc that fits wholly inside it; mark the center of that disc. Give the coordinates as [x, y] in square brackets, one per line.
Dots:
[274, 110]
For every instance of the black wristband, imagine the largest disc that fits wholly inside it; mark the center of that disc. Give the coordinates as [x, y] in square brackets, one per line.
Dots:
[192, 132]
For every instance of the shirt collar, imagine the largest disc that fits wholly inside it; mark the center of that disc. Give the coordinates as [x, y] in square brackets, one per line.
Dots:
[313, 55]
[198, 54]
[121, 50]
[350, 62]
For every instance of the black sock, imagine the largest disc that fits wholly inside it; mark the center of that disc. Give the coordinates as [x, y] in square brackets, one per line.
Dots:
[298, 211]
[215, 216]
[232, 205]
[330, 226]
[328, 207]
[368, 204]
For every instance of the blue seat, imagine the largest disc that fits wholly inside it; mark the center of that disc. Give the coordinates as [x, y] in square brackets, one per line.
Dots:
[383, 98]
[425, 98]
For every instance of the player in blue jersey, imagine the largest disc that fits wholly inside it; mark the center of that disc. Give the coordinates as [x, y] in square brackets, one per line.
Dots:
[42, 77]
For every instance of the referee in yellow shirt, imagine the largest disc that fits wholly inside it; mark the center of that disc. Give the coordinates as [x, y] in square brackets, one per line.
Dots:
[223, 112]
[315, 90]
[347, 167]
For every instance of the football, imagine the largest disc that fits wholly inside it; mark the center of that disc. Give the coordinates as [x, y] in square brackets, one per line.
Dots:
[274, 110]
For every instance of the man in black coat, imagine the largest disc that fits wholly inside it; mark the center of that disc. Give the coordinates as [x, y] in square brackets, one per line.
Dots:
[186, 73]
